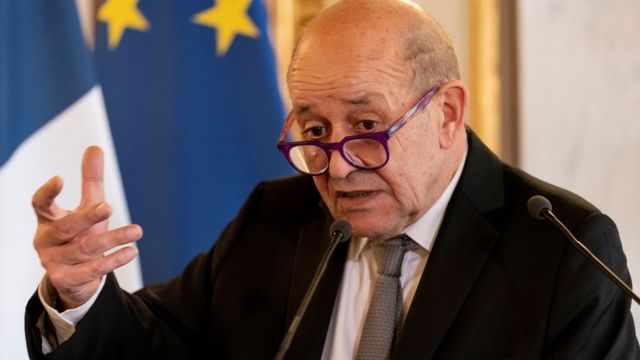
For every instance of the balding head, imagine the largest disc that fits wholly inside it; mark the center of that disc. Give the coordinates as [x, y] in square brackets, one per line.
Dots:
[371, 29]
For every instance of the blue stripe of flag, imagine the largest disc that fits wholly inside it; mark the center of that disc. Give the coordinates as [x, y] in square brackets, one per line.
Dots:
[44, 66]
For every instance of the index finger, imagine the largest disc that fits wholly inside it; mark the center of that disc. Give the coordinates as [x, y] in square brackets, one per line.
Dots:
[92, 176]
[43, 201]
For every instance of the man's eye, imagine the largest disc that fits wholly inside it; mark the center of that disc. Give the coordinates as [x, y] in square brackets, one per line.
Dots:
[314, 132]
[367, 125]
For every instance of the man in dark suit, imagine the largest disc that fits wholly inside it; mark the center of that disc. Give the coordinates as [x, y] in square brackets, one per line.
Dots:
[379, 112]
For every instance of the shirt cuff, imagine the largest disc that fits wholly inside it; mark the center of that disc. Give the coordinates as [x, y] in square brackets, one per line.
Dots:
[64, 322]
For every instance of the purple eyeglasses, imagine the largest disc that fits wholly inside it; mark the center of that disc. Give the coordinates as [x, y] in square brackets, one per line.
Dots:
[363, 151]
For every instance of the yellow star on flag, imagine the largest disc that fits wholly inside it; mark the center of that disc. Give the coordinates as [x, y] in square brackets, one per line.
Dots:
[120, 15]
[229, 18]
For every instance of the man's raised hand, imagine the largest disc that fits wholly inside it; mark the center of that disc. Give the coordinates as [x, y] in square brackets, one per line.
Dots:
[71, 244]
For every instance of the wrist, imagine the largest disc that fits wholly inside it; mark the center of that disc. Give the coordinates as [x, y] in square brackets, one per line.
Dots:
[61, 301]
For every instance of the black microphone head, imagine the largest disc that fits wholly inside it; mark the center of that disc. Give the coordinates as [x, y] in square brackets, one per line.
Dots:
[342, 227]
[537, 206]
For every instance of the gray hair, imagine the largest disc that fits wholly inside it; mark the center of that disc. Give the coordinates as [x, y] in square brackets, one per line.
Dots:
[430, 53]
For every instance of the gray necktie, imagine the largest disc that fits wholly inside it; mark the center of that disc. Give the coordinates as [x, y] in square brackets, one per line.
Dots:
[386, 303]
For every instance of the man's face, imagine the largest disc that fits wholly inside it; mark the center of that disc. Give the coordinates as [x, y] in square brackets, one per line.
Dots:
[339, 91]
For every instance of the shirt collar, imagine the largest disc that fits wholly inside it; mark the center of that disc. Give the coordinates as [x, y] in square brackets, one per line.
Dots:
[425, 229]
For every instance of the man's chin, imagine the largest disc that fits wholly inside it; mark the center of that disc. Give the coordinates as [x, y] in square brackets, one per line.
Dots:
[370, 228]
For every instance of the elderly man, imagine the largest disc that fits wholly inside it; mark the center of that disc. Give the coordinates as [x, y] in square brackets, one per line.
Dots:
[444, 262]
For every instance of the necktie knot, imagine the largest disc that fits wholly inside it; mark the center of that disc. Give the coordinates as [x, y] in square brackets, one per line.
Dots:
[389, 254]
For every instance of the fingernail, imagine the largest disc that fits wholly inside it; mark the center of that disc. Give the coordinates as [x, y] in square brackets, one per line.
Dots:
[102, 210]
[134, 233]
[54, 179]
[132, 253]
[126, 254]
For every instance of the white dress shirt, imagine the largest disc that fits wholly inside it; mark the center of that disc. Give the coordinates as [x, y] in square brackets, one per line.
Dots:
[360, 275]
[63, 322]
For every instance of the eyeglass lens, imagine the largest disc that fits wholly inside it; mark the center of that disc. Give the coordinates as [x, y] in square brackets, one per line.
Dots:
[361, 153]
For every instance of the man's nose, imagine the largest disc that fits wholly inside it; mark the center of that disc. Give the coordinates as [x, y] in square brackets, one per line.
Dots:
[338, 166]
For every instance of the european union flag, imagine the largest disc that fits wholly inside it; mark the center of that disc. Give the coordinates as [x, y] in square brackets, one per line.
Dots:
[192, 97]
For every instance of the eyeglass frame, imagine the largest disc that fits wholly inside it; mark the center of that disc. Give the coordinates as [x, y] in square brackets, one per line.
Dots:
[382, 137]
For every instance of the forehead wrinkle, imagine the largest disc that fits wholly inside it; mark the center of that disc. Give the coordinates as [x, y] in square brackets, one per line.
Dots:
[324, 67]
[378, 101]
[351, 87]
[363, 100]
[311, 82]
[353, 82]
[366, 99]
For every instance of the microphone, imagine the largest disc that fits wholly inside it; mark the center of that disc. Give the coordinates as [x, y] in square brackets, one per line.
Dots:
[538, 205]
[340, 231]
[540, 208]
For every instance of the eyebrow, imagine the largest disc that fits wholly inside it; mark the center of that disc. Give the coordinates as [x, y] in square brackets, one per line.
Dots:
[303, 109]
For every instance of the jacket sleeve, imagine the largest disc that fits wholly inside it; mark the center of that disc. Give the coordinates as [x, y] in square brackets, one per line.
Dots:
[169, 320]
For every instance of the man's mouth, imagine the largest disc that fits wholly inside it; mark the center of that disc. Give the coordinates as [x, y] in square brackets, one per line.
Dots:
[353, 194]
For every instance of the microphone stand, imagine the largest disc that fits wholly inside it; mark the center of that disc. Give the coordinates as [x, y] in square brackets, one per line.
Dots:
[586, 252]
[340, 231]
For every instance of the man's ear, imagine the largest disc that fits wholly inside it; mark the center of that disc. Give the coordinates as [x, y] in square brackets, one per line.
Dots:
[454, 102]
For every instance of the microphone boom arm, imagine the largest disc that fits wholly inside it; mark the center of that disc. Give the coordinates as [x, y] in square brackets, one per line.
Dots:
[589, 255]
[340, 231]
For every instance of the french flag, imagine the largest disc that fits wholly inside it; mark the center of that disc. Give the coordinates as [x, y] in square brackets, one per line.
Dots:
[51, 109]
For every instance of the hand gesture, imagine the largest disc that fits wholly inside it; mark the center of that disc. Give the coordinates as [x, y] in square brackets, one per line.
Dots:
[71, 244]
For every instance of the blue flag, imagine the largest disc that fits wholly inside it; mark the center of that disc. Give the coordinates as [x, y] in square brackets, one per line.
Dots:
[51, 108]
[192, 96]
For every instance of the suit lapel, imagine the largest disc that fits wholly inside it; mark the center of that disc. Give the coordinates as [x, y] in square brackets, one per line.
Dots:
[454, 264]
[463, 244]
[308, 342]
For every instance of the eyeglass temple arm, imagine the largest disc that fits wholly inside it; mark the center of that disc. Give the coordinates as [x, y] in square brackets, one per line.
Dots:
[285, 128]
[412, 112]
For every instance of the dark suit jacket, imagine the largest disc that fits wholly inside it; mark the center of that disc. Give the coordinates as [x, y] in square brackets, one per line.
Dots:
[498, 284]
